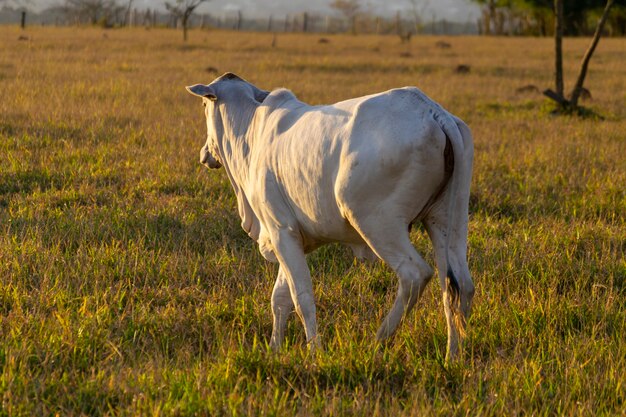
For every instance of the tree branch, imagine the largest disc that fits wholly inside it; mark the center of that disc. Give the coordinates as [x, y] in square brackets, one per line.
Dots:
[585, 62]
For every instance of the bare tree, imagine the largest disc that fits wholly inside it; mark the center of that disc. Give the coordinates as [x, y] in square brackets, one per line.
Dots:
[558, 96]
[418, 11]
[350, 9]
[127, 14]
[183, 9]
[92, 10]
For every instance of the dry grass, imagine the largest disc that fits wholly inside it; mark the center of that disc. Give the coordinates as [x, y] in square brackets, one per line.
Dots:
[128, 288]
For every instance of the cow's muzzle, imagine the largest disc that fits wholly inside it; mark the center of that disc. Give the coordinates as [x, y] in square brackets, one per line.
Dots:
[207, 159]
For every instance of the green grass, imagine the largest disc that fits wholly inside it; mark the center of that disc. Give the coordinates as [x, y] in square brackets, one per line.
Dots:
[127, 286]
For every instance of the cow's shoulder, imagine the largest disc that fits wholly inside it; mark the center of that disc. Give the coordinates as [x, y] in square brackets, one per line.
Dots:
[280, 98]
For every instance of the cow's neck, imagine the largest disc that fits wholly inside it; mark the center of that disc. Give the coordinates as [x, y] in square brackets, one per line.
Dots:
[236, 148]
[237, 140]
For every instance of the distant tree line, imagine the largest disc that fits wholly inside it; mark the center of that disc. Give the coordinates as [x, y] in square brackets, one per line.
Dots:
[119, 13]
[498, 17]
[536, 17]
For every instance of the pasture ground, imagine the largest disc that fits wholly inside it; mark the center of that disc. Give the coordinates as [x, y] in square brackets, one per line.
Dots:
[127, 286]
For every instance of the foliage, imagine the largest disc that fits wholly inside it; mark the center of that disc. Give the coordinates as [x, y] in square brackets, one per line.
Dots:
[577, 14]
[128, 288]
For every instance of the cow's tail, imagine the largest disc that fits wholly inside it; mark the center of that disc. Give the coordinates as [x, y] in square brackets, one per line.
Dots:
[460, 139]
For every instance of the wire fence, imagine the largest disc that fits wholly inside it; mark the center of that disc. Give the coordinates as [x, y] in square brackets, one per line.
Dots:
[402, 25]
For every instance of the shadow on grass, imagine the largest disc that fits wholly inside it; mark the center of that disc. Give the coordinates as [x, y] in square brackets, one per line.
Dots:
[362, 68]
[28, 181]
[27, 131]
[374, 371]
[497, 210]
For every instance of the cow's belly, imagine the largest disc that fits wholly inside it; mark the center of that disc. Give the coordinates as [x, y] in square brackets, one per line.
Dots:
[317, 234]
[320, 220]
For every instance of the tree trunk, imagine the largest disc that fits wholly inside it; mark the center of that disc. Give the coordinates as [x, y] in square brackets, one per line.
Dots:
[398, 24]
[585, 62]
[558, 40]
[492, 18]
[486, 21]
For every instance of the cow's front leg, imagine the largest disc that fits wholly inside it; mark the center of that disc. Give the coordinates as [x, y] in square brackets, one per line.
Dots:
[282, 306]
[288, 249]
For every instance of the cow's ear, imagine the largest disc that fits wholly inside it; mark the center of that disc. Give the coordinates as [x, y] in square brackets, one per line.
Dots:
[202, 91]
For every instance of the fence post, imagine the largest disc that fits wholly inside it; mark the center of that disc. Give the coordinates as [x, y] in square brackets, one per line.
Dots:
[23, 22]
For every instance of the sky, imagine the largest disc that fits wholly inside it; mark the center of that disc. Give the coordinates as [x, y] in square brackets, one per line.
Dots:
[453, 10]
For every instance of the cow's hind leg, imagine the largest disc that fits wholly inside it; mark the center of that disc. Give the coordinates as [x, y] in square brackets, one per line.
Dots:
[455, 261]
[282, 306]
[392, 244]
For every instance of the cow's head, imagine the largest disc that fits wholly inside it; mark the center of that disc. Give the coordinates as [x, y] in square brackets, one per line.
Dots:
[229, 88]
[209, 154]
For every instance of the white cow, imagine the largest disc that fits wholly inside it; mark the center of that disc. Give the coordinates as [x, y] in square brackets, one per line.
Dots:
[358, 172]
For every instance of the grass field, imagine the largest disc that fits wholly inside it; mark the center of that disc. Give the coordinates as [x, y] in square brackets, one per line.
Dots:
[127, 286]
